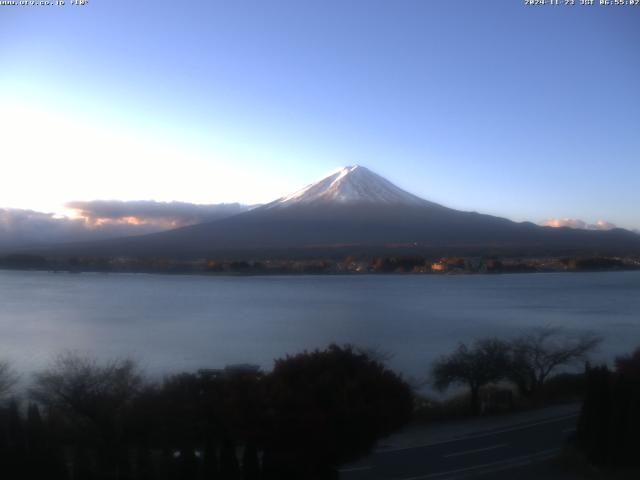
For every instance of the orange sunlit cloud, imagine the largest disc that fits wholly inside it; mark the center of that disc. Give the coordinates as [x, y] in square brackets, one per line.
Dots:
[578, 224]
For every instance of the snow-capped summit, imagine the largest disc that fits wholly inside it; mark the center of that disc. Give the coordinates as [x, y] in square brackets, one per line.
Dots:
[350, 185]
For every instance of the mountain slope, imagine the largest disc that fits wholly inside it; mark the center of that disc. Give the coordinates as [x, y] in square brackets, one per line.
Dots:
[356, 211]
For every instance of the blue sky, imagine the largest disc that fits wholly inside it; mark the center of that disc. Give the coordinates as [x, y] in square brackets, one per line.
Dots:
[524, 112]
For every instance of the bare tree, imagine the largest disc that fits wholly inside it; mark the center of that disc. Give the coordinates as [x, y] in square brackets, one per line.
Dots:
[8, 378]
[95, 397]
[485, 362]
[377, 354]
[87, 390]
[536, 354]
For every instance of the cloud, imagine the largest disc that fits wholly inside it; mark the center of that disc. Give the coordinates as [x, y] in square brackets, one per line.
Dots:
[603, 225]
[578, 224]
[27, 227]
[100, 219]
[162, 215]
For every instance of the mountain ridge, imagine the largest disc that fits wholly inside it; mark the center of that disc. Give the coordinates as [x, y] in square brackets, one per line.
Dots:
[355, 210]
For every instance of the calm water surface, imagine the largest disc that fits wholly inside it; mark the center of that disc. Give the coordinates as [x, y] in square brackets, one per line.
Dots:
[186, 322]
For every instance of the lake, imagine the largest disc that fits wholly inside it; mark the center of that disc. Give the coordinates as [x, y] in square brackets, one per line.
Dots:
[174, 322]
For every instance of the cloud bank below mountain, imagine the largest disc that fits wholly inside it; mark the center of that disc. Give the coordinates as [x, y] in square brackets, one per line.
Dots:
[103, 219]
[160, 215]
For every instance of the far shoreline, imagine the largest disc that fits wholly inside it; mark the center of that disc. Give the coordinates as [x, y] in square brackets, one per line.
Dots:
[386, 266]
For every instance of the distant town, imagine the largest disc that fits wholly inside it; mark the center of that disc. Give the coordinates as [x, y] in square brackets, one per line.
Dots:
[350, 265]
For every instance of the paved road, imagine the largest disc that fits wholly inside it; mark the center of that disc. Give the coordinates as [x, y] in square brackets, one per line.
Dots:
[474, 455]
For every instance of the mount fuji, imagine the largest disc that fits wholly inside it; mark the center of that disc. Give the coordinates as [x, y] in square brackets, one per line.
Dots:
[348, 186]
[356, 211]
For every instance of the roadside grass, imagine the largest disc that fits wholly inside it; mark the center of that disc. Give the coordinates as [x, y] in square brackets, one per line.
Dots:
[500, 399]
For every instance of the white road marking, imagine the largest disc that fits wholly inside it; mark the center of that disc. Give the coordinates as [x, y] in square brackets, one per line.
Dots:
[480, 435]
[355, 469]
[477, 450]
[492, 466]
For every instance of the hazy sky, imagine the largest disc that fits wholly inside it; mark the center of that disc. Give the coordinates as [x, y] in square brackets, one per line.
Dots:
[526, 112]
